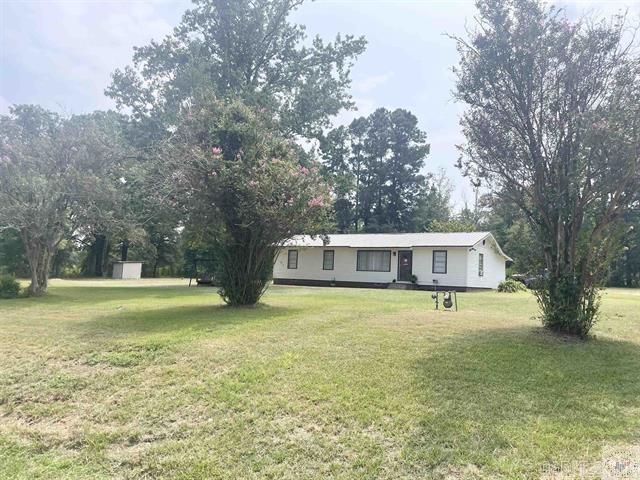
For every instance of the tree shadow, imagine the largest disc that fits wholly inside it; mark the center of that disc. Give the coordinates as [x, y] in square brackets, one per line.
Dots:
[204, 318]
[515, 399]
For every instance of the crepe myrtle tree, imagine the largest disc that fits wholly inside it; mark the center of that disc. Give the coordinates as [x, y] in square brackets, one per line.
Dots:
[56, 175]
[243, 191]
[552, 125]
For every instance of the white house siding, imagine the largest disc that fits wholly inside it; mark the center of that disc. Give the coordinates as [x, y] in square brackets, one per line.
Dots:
[456, 275]
[344, 266]
[494, 266]
[345, 258]
[462, 259]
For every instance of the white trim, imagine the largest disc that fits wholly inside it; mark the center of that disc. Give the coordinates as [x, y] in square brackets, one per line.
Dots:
[495, 242]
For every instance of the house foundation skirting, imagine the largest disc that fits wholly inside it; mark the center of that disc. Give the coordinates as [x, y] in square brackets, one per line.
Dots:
[338, 283]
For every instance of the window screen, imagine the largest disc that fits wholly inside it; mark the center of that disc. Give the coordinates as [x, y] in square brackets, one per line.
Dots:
[481, 265]
[439, 261]
[374, 261]
[327, 260]
[292, 261]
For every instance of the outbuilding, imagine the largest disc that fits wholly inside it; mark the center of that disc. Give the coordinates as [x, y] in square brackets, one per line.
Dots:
[127, 270]
[459, 261]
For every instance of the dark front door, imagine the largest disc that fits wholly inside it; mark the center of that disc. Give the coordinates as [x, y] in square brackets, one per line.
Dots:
[405, 259]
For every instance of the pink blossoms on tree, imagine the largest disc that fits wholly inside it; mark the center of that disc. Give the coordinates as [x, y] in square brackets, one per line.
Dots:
[316, 202]
[257, 201]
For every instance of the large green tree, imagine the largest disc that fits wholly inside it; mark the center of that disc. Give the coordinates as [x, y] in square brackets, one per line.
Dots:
[243, 49]
[240, 50]
[57, 175]
[553, 125]
[375, 164]
[243, 192]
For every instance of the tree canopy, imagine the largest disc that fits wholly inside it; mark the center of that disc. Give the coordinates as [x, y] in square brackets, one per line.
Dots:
[243, 49]
[375, 164]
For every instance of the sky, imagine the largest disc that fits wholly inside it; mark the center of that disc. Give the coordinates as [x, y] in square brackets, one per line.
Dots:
[60, 54]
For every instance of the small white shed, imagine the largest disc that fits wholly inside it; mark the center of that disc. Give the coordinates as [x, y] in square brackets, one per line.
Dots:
[460, 261]
[127, 270]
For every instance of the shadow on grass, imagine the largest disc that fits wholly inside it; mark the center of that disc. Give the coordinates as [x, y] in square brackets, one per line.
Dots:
[517, 398]
[128, 339]
[189, 317]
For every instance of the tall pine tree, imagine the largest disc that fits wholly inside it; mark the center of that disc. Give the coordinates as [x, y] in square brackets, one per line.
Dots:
[375, 164]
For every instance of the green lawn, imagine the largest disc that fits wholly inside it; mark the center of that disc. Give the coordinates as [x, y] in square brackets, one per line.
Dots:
[155, 380]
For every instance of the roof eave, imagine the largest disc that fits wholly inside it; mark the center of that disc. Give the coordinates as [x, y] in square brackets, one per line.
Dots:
[490, 235]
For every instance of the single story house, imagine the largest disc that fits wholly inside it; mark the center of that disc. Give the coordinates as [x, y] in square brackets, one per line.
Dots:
[459, 261]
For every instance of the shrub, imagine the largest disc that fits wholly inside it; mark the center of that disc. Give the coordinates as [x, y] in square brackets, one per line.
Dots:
[511, 286]
[561, 313]
[9, 287]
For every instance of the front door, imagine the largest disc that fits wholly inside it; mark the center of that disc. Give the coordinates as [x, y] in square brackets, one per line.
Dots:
[405, 259]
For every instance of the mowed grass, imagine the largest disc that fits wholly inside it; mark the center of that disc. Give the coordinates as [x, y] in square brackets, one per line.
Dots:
[150, 379]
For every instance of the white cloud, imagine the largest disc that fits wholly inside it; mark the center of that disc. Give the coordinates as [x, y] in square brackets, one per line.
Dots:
[4, 105]
[600, 8]
[78, 44]
[370, 83]
[609, 4]
[364, 106]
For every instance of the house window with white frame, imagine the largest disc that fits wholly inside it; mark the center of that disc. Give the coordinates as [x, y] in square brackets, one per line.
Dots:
[374, 261]
[292, 260]
[327, 259]
[481, 265]
[439, 261]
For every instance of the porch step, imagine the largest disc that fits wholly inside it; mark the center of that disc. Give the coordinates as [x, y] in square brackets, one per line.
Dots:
[401, 286]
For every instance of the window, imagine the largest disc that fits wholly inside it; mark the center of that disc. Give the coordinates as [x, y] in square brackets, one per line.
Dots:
[292, 260]
[481, 265]
[374, 261]
[439, 261]
[327, 260]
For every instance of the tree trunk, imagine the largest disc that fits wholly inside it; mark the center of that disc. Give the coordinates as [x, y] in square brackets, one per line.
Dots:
[101, 251]
[244, 270]
[96, 265]
[568, 298]
[39, 257]
[124, 250]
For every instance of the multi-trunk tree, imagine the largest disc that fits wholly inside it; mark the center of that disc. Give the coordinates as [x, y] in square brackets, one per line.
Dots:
[243, 192]
[57, 175]
[553, 125]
